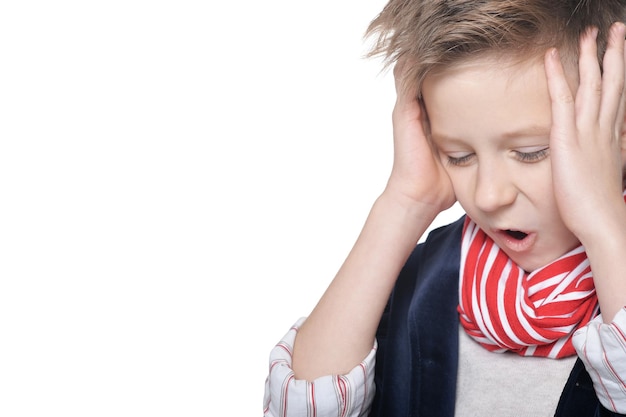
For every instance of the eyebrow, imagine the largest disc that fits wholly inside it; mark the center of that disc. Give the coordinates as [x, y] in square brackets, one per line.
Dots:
[531, 131]
[528, 131]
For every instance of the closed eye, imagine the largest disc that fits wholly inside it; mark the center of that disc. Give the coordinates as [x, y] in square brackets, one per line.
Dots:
[530, 157]
[459, 160]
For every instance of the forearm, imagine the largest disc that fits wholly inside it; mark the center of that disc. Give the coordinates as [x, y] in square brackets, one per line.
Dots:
[340, 331]
[606, 251]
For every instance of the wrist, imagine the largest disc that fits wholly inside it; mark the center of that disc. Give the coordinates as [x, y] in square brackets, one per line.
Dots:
[409, 216]
[425, 205]
[608, 225]
[606, 249]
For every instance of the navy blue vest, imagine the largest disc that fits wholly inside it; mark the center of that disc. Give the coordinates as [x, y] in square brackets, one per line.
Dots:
[416, 361]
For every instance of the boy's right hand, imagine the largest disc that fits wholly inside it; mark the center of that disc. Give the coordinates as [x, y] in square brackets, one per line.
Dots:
[418, 176]
[341, 329]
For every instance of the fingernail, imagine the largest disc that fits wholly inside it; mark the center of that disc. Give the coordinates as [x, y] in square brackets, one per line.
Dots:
[619, 29]
[554, 53]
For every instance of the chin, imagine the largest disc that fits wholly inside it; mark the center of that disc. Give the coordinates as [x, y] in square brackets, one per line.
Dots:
[531, 265]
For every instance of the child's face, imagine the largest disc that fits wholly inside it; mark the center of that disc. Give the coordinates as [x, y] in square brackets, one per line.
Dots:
[491, 125]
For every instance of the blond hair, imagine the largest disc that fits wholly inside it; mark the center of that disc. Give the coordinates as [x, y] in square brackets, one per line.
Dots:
[435, 34]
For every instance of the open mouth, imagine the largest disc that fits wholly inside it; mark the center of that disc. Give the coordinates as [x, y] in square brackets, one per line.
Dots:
[515, 240]
[516, 234]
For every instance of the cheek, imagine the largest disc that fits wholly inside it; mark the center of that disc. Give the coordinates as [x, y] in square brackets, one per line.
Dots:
[535, 182]
[463, 186]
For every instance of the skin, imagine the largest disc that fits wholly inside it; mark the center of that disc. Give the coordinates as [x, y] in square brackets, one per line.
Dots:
[570, 193]
[491, 125]
[587, 144]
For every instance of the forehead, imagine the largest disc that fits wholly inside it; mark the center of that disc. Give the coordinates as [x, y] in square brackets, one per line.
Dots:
[496, 62]
[490, 100]
[474, 79]
[487, 63]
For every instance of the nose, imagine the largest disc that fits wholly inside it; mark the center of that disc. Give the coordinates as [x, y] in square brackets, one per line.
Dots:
[494, 187]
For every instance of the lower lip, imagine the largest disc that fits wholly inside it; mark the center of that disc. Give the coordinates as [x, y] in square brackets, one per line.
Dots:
[516, 245]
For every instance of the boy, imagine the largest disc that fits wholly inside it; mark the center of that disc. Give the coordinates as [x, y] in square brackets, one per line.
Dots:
[504, 107]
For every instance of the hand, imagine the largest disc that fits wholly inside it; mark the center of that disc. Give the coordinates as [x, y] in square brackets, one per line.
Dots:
[585, 142]
[341, 329]
[417, 173]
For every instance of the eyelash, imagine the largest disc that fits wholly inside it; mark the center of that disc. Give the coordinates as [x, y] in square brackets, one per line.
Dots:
[459, 161]
[528, 157]
[532, 156]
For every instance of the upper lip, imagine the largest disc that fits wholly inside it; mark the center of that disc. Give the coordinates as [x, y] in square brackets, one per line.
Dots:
[517, 229]
[504, 232]
[512, 243]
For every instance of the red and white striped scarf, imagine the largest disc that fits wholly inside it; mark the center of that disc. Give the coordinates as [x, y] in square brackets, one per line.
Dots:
[533, 314]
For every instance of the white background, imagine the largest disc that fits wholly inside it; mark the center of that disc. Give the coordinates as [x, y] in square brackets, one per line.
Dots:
[179, 182]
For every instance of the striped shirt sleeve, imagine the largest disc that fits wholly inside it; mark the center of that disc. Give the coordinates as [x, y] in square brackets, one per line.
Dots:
[602, 348]
[349, 395]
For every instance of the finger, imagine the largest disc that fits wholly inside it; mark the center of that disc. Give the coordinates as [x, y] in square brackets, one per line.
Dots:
[621, 111]
[562, 101]
[406, 93]
[425, 121]
[398, 71]
[589, 93]
[613, 77]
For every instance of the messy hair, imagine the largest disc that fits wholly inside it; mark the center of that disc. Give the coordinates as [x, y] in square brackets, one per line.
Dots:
[435, 34]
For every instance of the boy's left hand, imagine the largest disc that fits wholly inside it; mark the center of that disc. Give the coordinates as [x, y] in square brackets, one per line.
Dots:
[587, 163]
[585, 142]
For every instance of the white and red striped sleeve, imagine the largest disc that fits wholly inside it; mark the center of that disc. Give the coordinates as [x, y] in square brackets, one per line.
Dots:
[349, 395]
[602, 348]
